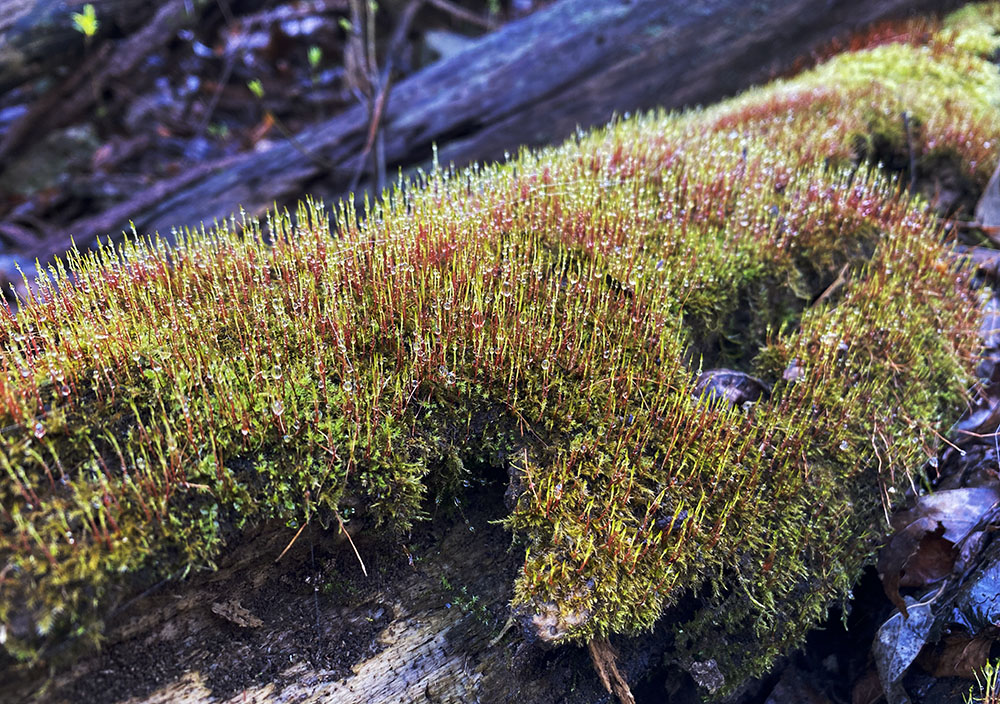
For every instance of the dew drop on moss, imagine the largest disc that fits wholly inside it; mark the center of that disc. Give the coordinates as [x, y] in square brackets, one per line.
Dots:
[277, 407]
[39, 431]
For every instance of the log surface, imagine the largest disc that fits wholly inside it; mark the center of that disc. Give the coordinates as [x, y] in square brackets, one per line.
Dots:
[425, 625]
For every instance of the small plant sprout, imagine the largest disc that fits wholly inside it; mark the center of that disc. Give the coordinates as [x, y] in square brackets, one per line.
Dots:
[551, 316]
[86, 22]
[315, 56]
[987, 687]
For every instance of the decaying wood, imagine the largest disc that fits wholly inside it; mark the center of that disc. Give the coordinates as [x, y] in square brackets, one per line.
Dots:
[427, 625]
[533, 82]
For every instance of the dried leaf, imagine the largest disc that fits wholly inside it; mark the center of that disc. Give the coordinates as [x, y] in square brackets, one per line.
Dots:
[897, 644]
[957, 655]
[922, 550]
[867, 689]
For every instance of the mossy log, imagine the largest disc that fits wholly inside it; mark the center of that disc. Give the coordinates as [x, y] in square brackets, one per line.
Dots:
[525, 84]
[556, 325]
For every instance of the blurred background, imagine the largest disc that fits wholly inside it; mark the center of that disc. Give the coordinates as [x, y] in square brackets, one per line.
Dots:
[161, 115]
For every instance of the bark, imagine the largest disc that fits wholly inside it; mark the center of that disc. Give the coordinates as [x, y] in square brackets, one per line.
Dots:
[575, 63]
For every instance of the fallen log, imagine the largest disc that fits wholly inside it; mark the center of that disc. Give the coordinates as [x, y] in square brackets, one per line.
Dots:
[317, 626]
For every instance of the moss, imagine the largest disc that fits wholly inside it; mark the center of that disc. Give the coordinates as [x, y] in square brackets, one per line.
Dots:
[550, 316]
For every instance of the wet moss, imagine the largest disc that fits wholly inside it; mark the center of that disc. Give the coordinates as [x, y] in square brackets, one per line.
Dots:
[549, 316]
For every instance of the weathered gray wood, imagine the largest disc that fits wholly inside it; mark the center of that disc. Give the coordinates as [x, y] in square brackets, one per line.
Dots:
[533, 82]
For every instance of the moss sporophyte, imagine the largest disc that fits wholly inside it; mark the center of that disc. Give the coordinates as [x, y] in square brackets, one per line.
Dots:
[550, 315]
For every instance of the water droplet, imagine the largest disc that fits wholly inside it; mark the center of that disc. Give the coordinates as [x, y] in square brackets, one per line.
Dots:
[844, 445]
[545, 364]
[347, 386]
[244, 431]
[933, 462]
[64, 390]
[450, 378]
[286, 437]
[39, 430]
[276, 372]
[25, 372]
[277, 407]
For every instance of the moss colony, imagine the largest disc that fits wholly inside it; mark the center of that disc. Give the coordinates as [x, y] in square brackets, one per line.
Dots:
[551, 316]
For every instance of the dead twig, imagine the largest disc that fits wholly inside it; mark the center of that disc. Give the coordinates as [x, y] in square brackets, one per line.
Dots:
[378, 103]
[292, 541]
[459, 12]
[76, 96]
[357, 554]
[604, 658]
[831, 289]
[910, 151]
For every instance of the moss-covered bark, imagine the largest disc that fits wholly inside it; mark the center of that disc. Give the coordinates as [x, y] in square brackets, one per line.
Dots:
[551, 316]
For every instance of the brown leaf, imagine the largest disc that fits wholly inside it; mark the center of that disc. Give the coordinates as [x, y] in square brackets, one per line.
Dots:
[933, 560]
[956, 655]
[867, 689]
[922, 551]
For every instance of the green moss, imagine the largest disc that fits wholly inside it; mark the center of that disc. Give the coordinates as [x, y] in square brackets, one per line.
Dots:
[549, 316]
